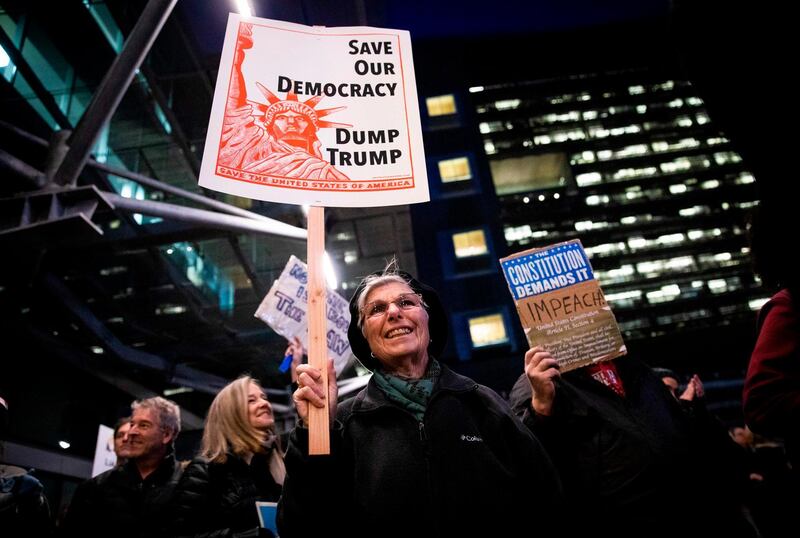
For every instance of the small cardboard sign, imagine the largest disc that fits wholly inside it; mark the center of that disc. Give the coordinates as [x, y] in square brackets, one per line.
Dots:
[314, 115]
[561, 305]
[285, 309]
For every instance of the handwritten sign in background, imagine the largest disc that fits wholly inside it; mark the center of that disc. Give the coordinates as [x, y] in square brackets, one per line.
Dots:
[285, 309]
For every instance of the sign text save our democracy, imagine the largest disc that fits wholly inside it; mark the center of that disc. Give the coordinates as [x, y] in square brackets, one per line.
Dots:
[362, 67]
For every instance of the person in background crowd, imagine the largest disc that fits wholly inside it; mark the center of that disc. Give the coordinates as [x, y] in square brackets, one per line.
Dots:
[24, 510]
[771, 397]
[240, 462]
[421, 450]
[626, 450]
[694, 388]
[130, 500]
[121, 441]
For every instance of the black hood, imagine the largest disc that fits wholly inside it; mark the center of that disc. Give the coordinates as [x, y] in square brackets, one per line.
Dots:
[437, 321]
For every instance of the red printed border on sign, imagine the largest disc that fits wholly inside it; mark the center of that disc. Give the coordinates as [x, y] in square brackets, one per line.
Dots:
[282, 182]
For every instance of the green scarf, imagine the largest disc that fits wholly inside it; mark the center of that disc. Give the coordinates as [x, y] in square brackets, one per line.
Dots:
[412, 395]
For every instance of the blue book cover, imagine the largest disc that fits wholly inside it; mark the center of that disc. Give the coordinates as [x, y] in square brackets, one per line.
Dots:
[267, 512]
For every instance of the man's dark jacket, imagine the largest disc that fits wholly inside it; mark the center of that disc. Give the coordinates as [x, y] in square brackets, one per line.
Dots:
[119, 503]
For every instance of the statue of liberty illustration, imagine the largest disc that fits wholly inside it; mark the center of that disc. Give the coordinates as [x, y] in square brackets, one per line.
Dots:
[277, 138]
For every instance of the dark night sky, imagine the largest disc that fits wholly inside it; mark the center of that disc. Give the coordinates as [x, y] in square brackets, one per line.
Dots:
[430, 19]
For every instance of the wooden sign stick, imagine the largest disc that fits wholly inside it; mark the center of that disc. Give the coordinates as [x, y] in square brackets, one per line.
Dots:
[318, 419]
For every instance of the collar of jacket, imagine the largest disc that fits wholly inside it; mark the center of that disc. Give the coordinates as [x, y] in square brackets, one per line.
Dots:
[161, 475]
[630, 370]
[371, 397]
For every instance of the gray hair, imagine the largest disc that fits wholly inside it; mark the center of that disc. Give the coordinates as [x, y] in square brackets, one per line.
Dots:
[371, 282]
[168, 412]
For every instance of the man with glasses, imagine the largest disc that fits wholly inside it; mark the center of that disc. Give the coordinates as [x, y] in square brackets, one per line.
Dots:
[131, 498]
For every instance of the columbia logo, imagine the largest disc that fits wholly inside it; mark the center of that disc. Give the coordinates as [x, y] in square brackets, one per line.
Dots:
[471, 438]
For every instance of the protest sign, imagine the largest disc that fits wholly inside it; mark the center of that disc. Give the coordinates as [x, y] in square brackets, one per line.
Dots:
[285, 309]
[561, 305]
[104, 456]
[314, 115]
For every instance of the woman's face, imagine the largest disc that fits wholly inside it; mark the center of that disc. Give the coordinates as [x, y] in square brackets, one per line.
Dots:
[396, 324]
[259, 409]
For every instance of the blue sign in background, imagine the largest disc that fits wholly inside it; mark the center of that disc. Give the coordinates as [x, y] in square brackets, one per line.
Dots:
[547, 270]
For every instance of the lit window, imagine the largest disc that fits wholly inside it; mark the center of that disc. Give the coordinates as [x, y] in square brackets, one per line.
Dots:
[624, 298]
[507, 104]
[476, 89]
[666, 293]
[677, 188]
[452, 170]
[717, 285]
[637, 242]
[487, 330]
[671, 239]
[589, 178]
[725, 157]
[695, 210]
[637, 149]
[170, 309]
[694, 235]
[605, 249]
[597, 199]
[469, 244]
[518, 233]
[522, 174]
[441, 105]
[350, 256]
[681, 262]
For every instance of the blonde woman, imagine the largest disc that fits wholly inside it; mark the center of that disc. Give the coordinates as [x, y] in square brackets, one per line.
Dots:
[240, 462]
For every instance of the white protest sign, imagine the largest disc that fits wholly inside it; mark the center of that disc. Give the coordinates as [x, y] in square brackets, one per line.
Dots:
[104, 456]
[314, 115]
[285, 309]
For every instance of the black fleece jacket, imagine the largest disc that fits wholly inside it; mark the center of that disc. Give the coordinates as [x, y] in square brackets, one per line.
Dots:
[469, 468]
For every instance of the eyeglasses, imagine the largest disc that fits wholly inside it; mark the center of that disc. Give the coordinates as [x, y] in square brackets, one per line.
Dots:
[406, 301]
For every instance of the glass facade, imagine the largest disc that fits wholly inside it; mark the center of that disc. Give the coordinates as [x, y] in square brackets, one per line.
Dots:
[654, 191]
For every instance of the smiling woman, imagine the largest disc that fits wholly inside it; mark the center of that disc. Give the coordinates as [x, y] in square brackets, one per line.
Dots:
[240, 462]
[421, 449]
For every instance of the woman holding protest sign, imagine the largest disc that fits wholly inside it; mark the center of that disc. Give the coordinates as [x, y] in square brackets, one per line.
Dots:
[420, 450]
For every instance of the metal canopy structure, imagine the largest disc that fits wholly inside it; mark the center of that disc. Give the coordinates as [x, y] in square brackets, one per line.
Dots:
[121, 279]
